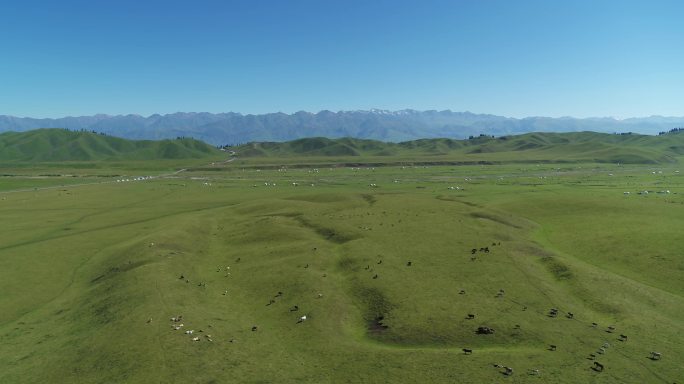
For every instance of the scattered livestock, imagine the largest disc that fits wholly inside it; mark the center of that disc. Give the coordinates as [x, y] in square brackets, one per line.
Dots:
[294, 309]
[480, 330]
[462, 292]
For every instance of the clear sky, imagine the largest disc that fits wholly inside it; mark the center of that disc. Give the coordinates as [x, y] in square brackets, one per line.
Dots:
[507, 57]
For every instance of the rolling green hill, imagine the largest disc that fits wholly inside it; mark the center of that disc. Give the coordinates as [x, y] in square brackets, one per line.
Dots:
[53, 145]
[565, 147]
[395, 269]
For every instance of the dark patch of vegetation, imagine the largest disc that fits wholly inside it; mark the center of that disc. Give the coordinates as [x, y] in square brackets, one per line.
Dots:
[558, 269]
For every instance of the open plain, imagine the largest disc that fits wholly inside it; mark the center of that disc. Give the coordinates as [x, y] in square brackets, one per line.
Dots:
[259, 270]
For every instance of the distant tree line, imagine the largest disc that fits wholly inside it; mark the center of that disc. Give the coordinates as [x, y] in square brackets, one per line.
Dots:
[673, 130]
[471, 137]
[91, 131]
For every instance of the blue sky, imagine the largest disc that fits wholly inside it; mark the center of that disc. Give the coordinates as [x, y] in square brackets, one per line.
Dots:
[513, 58]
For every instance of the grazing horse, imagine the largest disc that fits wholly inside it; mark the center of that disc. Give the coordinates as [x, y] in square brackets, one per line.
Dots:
[467, 351]
[598, 367]
[655, 356]
[470, 316]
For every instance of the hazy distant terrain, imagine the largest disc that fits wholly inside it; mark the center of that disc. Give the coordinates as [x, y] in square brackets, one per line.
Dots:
[394, 126]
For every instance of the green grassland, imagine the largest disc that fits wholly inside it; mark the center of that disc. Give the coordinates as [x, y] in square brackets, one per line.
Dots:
[58, 145]
[83, 269]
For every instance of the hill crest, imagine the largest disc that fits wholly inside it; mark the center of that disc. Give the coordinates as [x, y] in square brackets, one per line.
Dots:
[52, 144]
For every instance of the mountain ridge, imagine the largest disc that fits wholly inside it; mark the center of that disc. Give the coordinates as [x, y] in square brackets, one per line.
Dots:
[393, 126]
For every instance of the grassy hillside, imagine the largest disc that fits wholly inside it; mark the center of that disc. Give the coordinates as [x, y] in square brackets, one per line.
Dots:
[567, 147]
[91, 276]
[55, 145]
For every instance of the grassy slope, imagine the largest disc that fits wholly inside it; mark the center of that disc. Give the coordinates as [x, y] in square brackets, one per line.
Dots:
[550, 147]
[85, 276]
[55, 145]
